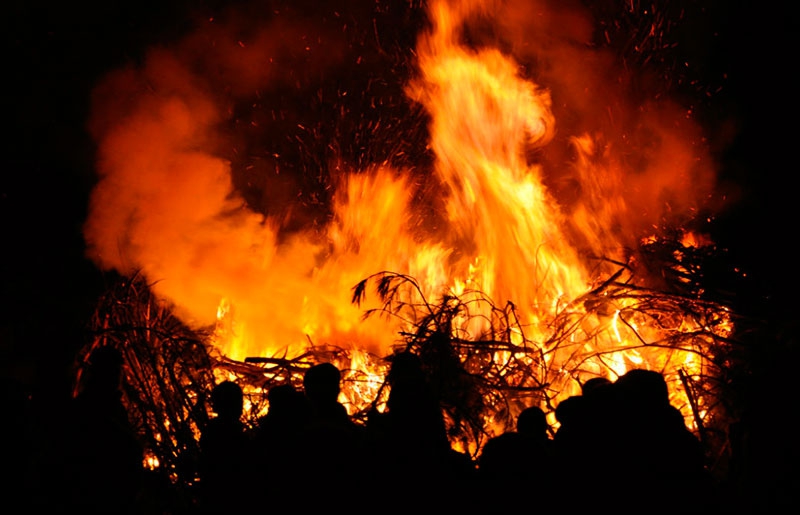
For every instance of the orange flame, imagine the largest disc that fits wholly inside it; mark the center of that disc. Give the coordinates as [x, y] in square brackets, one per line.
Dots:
[526, 195]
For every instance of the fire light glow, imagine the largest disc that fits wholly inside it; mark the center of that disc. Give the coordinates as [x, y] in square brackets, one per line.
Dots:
[539, 159]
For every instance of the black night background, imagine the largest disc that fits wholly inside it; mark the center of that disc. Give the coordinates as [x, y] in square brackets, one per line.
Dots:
[740, 70]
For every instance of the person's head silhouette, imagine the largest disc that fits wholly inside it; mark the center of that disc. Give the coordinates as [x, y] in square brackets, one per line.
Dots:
[227, 400]
[322, 383]
[532, 421]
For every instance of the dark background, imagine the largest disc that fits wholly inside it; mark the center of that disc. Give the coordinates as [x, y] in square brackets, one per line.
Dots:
[55, 52]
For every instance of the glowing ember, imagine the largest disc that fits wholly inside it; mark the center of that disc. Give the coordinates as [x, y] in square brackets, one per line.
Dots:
[541, 175]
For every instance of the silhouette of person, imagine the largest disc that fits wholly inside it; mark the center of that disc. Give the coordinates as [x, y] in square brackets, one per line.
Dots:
[322, 386]
[100, 466]
[532, 423]
[279, 438]
[525, 458]
[571, 414]
[584, 442]
[225, 451]
[333, 442]
[657, 454]
[409, 439]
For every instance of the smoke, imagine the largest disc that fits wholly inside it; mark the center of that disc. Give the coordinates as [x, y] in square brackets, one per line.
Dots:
[165, 203]
[216, 181]
[623, 136]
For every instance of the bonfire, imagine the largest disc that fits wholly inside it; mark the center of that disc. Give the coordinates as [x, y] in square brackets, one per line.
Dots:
[514, 210]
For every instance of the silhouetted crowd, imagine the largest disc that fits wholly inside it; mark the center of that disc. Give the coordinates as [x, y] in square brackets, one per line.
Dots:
[619, 446]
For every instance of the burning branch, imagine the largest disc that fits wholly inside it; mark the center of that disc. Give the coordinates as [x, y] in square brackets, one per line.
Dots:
[169, 373]
[484, 361]
[487, 366]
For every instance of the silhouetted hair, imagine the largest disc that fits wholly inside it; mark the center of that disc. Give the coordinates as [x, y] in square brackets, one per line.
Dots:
[571, 409]
[227, 399]
[644, 387]
[321, 382]
[286, 402]
[532, 421]
[405, 367]
[592, 385]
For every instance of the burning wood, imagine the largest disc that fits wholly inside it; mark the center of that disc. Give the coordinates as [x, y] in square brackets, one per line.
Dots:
[520, 261]
[483, 379]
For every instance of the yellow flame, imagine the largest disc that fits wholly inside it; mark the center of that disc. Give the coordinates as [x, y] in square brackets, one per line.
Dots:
[165, 206]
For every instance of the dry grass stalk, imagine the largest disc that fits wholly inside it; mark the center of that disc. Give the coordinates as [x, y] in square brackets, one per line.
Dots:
[171, 369]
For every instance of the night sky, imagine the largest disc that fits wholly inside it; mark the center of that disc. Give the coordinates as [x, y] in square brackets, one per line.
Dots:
[55, 53]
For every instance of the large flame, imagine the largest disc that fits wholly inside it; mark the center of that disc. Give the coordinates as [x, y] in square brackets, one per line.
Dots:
[540, 158]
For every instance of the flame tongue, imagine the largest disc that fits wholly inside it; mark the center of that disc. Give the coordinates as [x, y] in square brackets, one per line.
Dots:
[166, 204]
[485, 118]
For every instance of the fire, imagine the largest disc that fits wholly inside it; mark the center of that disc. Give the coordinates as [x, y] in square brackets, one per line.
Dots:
[540, 176]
